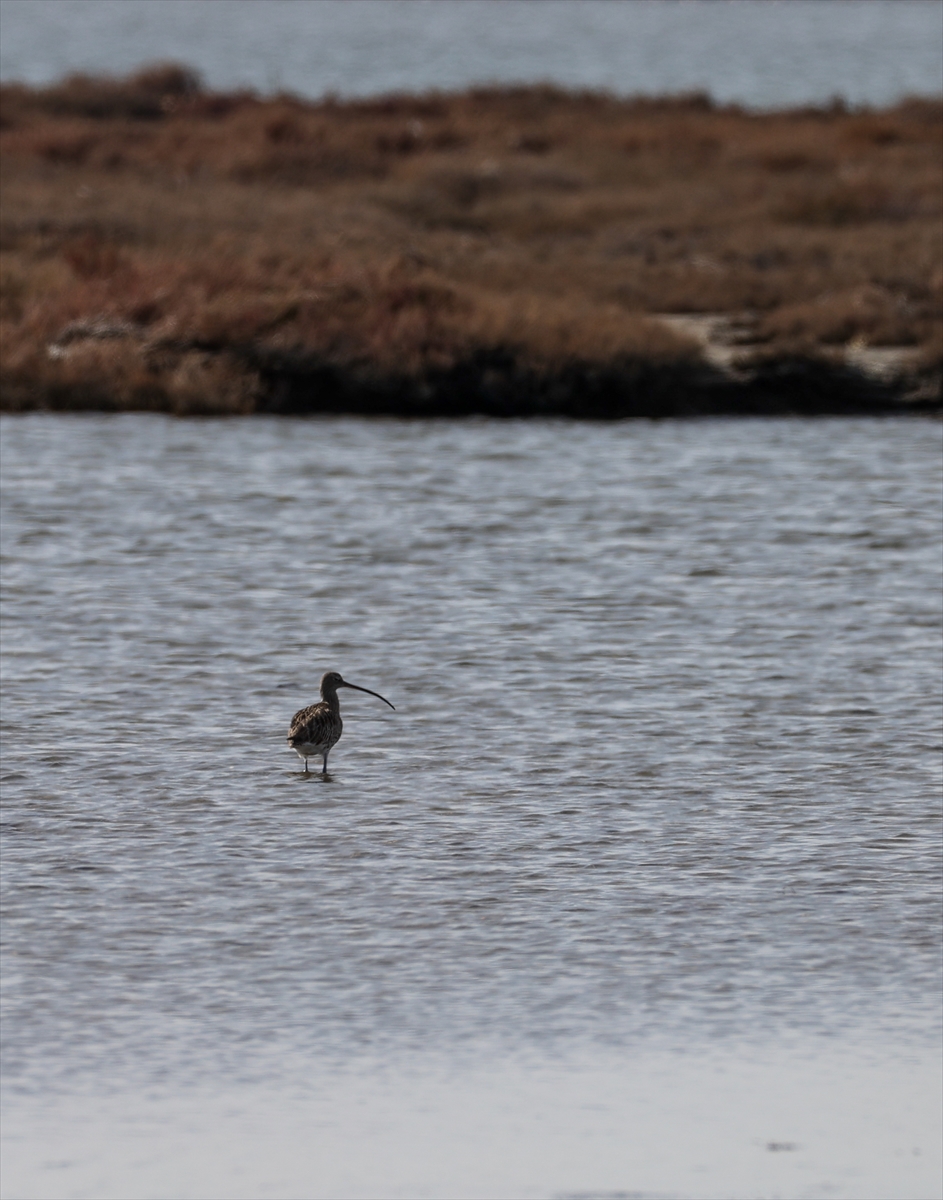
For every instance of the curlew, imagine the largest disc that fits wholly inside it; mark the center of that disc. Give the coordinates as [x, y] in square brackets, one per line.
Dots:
[317, 728]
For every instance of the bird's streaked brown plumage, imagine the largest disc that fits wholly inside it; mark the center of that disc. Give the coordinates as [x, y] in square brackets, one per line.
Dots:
[317, 728]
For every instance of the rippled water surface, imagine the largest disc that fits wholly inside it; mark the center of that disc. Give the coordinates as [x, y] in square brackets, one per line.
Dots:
[664, 768]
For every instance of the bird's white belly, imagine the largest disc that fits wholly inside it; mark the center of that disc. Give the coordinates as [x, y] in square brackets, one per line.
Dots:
[311, 749]
[314, 749]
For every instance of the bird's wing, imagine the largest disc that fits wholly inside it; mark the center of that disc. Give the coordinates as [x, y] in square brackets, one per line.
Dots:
[310, 725]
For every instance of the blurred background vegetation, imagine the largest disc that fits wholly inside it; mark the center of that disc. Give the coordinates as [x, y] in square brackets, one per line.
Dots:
[165, 247]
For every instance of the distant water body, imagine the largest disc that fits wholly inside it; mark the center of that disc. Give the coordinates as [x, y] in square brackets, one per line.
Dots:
[763, 54]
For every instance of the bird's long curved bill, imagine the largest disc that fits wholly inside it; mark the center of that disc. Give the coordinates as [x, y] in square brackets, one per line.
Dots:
[369, 693]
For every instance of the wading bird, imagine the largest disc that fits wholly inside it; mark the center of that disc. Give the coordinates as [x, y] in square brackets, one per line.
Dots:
[317, 728]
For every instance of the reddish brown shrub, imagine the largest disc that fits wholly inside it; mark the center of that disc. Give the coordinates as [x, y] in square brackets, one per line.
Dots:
[178, 234]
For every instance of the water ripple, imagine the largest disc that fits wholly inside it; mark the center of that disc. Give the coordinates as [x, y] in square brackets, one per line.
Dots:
[665, 761]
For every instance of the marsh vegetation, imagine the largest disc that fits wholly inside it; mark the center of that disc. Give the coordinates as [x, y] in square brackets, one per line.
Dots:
[503, 249]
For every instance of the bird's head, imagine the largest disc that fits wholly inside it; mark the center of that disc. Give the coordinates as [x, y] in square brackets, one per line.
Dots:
[333, 680]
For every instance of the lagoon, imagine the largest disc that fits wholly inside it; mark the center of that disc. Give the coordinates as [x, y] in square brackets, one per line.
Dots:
[654, 827]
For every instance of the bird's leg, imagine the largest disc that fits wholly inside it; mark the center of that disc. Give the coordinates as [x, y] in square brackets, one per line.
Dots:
[324, 768]
[305, 772]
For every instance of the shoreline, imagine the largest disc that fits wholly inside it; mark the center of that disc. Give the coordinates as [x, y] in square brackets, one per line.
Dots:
[717, 380]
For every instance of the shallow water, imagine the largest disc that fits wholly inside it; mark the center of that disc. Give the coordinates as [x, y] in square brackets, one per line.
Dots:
[663, 776]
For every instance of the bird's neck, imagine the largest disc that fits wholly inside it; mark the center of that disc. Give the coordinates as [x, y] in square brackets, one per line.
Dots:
[330, 699]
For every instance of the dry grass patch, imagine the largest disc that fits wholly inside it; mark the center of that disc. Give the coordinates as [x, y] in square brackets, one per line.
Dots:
[408, 233]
